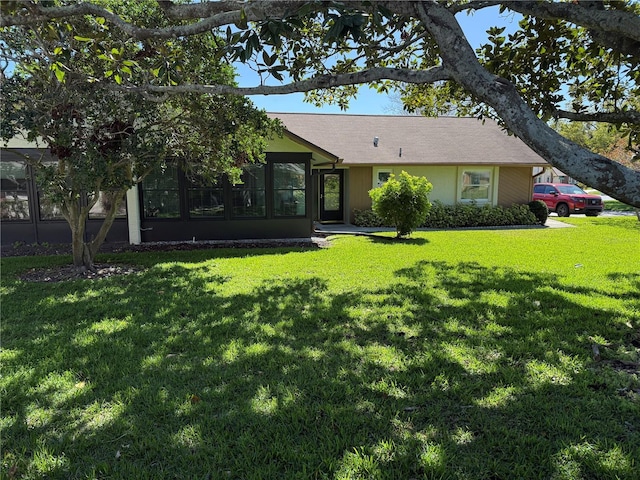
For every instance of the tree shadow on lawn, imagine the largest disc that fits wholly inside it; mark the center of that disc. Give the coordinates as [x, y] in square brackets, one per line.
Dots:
[451, 371]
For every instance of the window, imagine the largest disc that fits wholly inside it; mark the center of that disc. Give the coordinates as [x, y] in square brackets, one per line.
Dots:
[206, 201]
[14, 198]
[48, 209]
[476, 185]
[249, 196]
[289, 189]
[160, 193]
[381, 177]
[102, 206]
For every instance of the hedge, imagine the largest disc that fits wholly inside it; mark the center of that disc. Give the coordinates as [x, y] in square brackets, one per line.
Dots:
[461, 215]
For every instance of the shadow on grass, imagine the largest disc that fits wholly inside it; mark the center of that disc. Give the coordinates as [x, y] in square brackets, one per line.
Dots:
[451, 371]
[395, 240]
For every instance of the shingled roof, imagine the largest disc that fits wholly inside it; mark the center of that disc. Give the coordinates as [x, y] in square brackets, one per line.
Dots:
[410, 139]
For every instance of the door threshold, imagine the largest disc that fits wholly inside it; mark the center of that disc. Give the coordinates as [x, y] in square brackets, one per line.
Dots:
[331, 222]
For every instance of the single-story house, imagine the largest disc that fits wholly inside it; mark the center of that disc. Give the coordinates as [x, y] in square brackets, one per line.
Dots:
[320, 170]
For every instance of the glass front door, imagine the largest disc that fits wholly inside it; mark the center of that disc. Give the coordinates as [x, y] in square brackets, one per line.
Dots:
[331, 198]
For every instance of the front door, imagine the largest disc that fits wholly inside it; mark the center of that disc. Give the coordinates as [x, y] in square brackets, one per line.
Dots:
[331, 197]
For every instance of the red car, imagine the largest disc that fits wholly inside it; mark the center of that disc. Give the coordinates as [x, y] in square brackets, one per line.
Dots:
[565, 199]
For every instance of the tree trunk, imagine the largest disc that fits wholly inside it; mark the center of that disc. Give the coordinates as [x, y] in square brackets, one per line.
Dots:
[94, 245]
[608, 176]
[83, 252]
[82, 258]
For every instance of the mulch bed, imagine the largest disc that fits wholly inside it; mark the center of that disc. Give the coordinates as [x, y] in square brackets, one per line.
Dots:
[68, 272]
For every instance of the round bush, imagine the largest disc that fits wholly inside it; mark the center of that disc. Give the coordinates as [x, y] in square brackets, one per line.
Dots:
[402, 202]
[540, 210]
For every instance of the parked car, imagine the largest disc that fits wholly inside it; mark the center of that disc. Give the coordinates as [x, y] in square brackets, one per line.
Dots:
[565, 199]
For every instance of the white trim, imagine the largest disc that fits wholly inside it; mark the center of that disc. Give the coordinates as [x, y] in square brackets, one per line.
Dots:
[133, 216]
[493, 191]
[494, 186]
[376, 172]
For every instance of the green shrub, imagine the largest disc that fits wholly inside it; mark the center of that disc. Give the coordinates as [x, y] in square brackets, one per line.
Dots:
[402, 202]
[367, 218]
[460, 215]
[540, 210]
[472, 215]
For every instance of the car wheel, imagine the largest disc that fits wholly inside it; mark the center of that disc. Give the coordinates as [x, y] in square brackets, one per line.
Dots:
[562, 209]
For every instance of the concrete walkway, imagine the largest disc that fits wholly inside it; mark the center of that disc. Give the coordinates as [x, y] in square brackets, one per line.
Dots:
[348, 229]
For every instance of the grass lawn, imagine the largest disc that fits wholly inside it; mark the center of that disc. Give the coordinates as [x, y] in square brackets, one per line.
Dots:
[455, 354]
[617, 206]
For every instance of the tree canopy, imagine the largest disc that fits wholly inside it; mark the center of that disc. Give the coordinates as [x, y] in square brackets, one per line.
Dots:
[104, 140]
[574, 60]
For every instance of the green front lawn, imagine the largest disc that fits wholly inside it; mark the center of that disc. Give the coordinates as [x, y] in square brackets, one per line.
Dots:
[454, 354]
[617, 206]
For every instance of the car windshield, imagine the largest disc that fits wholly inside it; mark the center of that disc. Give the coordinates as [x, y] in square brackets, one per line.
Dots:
[571, 190]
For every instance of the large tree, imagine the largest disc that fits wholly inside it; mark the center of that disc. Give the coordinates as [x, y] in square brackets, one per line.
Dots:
[585, 50]
[104, 140]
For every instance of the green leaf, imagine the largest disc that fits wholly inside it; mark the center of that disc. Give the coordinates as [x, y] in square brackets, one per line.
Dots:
[117, 78]
[57, 50]
[82, 39]
[59, 74]
[242, 23]
[266, 58]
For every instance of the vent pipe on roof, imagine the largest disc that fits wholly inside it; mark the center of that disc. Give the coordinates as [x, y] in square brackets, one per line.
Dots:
[375, 141]
[400, 153]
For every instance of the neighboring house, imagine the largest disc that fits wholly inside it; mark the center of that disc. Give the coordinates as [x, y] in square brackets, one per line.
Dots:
[320, 170]
[552, 175]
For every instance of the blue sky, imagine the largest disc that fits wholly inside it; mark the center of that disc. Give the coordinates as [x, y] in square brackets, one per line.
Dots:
[368, 101]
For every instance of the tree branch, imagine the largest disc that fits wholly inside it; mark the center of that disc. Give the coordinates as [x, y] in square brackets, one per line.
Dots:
[613, 178]
[431, 75]
[213, 14]
[630, 116]
[621, 23]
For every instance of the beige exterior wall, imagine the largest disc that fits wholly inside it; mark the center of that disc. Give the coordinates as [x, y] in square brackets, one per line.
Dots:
[360, 182]
[285, 145]
[509, 185]
[443, 178]
[515, 185]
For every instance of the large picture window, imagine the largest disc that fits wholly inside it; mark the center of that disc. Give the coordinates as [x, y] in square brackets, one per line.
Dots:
[476, 185]
[14, 197]
[206, 201]
[249, 198]
[289, 189]
[160, 192]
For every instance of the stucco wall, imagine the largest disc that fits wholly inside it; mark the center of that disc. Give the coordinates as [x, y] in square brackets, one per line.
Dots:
[443, 179]
[509, 185]
[362, 179]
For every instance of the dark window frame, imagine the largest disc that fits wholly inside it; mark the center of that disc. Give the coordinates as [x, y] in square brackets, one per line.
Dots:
[294, 203]
[143, 197]
[185, 185]
[27, 190]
